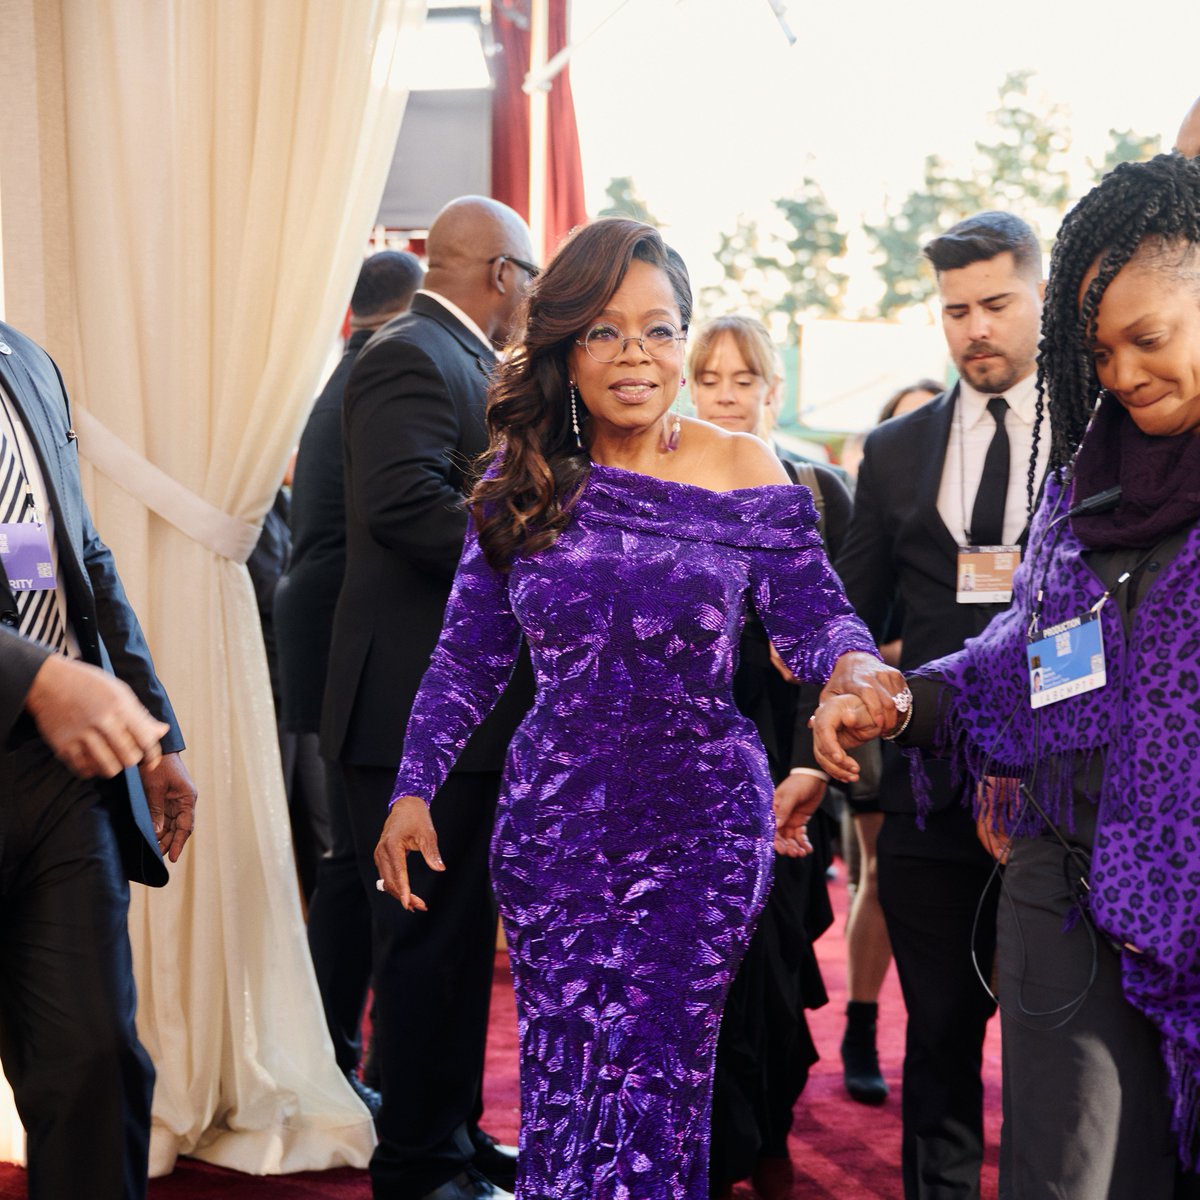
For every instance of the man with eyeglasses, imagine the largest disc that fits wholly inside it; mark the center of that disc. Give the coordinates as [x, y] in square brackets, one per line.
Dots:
[413, 423]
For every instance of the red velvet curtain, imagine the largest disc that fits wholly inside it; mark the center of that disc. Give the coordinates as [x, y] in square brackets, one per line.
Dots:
[510, 126]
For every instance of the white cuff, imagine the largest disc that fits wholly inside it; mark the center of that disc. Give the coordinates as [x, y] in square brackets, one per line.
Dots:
[814, 772]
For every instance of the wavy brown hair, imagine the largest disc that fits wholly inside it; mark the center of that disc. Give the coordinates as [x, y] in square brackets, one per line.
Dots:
[535, 469]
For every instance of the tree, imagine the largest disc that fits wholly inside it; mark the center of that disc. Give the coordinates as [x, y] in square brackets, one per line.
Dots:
[1026, 167]
[1126, 146]
[1023, 170]
[788, 270]
[944, 199]
[623, 201]
[814, 244]
[741, 257]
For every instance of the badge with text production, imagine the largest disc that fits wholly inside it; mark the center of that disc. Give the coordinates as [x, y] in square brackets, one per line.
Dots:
[985, 573]
[1067, 660]
[25, 549]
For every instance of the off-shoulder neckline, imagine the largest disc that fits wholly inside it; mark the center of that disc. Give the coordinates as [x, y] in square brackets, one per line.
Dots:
[691, 487]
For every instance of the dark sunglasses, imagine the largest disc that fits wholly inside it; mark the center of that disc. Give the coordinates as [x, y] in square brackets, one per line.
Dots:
[528, 267]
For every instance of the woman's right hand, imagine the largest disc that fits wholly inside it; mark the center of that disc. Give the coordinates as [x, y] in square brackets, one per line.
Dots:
[408, 827]
[841, 723]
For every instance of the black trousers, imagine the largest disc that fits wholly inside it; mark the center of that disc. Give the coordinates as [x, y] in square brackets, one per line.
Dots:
[339, 929]
[1086, 1108]
[433, 982]
[930, 904]
[81, 1080]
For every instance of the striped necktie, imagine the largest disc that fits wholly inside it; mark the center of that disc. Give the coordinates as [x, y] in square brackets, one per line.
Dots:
[38, 616]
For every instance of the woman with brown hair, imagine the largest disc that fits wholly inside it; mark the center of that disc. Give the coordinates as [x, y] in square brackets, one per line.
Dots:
[633, 840]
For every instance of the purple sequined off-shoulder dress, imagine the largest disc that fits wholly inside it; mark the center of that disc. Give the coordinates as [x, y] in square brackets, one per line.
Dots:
[633, 841]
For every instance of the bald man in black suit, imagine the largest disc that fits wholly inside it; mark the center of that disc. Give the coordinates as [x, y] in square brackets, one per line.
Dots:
[413, 427]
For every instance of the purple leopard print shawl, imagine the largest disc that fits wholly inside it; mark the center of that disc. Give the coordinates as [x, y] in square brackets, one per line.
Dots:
[1145, 726]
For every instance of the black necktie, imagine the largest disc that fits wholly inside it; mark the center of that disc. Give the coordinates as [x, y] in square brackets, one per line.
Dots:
[987, 518]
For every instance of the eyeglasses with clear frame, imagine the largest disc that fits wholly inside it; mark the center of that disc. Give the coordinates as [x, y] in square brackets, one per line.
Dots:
[532, 271]
[606, 343]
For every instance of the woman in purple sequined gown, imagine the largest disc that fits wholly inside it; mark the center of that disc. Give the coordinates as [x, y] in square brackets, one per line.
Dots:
[633, 841]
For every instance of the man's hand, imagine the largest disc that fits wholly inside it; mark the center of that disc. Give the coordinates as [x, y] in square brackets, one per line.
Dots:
[92, 721]
[1187, 140]
[408, 827]
[997, 810]
[779, 665]
[796, 799]
[171, 796]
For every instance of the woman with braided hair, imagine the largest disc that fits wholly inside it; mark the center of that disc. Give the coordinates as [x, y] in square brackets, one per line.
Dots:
[1092, 780]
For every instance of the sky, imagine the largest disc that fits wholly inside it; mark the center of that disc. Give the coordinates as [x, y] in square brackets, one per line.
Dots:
[713, 114]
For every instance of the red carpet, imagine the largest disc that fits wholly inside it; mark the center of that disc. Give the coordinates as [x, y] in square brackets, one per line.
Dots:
[842, 1150]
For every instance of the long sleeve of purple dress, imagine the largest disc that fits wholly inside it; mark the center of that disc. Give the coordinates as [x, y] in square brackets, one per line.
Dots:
[632, 849]
[471, 665]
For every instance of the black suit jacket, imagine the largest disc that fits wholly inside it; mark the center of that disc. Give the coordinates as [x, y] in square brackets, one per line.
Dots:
[899, 547]
[104, 623]
[306, 595]
[413, 423]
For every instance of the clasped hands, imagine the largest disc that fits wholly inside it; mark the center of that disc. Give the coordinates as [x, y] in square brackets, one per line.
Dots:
[858, 704]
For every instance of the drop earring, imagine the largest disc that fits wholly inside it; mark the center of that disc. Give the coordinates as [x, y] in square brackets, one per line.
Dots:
[574, 392]
[672, 438]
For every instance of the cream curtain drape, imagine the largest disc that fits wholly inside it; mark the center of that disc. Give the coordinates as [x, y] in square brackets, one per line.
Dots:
[220, 164]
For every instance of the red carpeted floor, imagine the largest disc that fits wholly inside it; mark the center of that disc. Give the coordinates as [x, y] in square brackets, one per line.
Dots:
[842, 1150]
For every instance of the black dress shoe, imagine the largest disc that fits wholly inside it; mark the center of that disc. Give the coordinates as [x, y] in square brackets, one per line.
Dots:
[495, 1162]
[469, 1185]
[368, 1095]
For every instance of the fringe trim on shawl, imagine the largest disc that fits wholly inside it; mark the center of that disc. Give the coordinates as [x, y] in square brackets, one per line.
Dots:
[1051, 779]
[1184, 1071]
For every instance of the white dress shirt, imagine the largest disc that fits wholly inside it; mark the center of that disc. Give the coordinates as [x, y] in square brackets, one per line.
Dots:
[970, 435]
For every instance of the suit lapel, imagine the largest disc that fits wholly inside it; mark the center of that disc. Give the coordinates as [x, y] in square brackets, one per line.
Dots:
[938, 425]
[23, 393]
[426, 306]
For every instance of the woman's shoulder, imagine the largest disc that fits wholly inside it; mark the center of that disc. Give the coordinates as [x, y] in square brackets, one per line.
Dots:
[730, 462]
[754, 505]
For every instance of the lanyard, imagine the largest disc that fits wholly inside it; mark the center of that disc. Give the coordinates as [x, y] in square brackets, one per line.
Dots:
[962, 466]
[1109, 592]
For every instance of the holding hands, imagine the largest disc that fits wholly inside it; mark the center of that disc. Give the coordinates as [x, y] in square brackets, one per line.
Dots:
[864, 699]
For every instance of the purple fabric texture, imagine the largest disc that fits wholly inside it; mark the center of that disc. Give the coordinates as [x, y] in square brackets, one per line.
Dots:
[1145, 726]
[633, 843]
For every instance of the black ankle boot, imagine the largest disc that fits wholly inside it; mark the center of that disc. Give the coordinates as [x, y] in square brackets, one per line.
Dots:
[860, 1059]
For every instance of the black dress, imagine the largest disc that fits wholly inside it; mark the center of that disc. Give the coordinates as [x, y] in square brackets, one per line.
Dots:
[765, 1049]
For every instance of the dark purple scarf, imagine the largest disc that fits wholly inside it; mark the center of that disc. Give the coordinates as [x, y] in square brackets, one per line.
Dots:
[1159, 478]
[1145, 724]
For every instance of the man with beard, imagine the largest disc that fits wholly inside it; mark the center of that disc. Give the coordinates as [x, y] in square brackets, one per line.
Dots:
[942, 540]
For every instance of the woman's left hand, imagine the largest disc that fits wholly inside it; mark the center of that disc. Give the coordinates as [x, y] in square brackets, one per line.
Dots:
[875, 684]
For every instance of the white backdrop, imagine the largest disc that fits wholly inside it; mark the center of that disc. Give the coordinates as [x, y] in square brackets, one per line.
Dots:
[187, 191]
